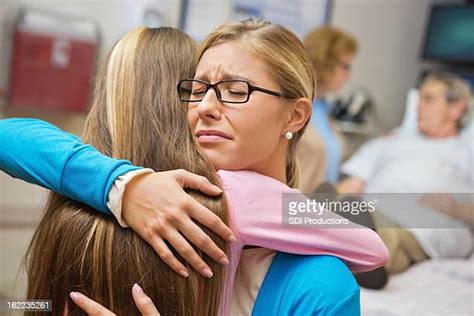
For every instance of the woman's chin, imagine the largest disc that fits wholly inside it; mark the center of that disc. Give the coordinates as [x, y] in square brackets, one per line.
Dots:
[224, 162]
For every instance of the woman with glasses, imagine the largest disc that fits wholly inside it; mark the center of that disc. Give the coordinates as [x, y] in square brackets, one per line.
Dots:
[247, 105]
[332, 52]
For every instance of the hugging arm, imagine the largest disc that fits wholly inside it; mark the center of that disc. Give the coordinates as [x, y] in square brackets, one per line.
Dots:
[40, 153]
[257, 213]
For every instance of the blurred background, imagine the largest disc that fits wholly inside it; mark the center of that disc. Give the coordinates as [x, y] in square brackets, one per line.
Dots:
[49, 50]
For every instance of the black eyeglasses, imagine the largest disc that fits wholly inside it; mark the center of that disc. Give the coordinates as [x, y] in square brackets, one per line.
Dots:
[228, 91]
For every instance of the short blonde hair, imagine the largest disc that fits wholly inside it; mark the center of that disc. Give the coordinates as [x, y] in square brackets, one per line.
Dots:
[287, 63]
[326, 46]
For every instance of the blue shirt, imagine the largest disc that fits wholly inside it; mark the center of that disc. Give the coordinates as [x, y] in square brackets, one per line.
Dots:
[333, 150]
[299, 285]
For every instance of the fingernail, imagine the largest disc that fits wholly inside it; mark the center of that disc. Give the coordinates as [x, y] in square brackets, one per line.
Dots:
[184, 273]
[217, 188]
[232, 238]
[137, 289]
[207, 273]
[74, 296]
[224, 261]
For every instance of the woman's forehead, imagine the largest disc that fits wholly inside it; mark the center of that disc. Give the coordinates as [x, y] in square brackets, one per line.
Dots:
[231, 60]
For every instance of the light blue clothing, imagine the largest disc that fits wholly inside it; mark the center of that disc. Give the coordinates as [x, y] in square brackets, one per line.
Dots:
[332, 146]
[307, 285]
[40, 153]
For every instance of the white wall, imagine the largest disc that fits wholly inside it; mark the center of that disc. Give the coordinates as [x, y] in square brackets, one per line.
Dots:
[390, 34]
[114, 18]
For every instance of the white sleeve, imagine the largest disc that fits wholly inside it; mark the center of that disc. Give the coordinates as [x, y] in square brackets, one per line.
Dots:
[364, 162]
[114, 199]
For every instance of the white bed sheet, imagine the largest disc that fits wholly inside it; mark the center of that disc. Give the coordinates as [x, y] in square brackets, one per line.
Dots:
[434, 287]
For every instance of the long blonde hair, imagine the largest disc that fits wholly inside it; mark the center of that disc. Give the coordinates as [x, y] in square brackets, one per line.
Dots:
[136, 115]
[287, 63]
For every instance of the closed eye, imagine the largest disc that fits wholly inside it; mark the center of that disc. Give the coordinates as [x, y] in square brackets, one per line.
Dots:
[236, 92]
[198, 92]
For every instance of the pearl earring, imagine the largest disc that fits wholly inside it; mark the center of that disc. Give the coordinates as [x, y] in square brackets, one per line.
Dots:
[289, 135]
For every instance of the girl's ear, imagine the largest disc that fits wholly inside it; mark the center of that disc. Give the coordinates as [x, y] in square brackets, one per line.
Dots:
[299, 114]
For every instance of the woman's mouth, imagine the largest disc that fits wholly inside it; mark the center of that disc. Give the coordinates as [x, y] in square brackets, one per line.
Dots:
[211, 136]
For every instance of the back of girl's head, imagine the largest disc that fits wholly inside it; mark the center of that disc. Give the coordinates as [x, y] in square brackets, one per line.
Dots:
[136, 111]
[287, 64]
[136, 115]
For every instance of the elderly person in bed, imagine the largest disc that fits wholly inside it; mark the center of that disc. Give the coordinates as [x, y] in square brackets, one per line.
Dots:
[435, 159]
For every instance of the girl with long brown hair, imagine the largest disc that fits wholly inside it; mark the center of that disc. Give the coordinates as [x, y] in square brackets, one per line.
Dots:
[132, 117]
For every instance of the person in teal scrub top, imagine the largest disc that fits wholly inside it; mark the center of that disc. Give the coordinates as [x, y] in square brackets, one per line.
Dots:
[332, 52]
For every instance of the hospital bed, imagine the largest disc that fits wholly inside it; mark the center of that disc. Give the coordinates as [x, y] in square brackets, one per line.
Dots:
[433, 287]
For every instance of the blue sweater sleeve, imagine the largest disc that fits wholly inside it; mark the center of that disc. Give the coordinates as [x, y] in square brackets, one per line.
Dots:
[40, 153]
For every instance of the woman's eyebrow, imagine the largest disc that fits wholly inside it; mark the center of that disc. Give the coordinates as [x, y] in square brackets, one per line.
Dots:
[227, 75]
[223, 75]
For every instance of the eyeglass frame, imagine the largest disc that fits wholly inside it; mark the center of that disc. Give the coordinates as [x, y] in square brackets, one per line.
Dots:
[251, 88]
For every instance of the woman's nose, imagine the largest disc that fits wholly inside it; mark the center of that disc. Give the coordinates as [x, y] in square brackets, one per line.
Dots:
[209, 107]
